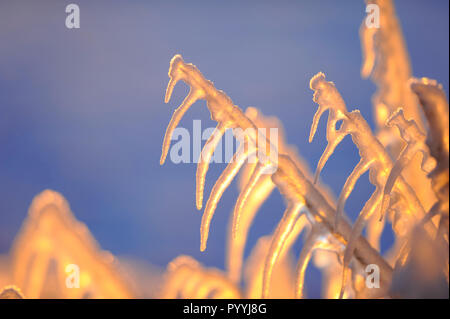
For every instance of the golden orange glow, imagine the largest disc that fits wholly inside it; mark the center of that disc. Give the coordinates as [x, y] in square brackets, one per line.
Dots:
[407, 199]
[51, 237]
[406, 157]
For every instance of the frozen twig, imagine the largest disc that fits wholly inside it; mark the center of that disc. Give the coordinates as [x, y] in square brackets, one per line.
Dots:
[300, 189]
[374, 158]
[386, 61]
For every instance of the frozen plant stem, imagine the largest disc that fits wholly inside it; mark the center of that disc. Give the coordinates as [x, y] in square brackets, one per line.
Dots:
[374, 159]
[296, 187]
[386, 61]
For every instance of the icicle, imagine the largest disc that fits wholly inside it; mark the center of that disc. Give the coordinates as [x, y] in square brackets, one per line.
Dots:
[205, 158]
[374, 229]
[367, 211]
[329, 150]
[280, 236]
[174, 75]
[191, 98]
[236, 244]
[328, 98]
[243, 196]
[349, 185]
[415, 140]
[221, 185]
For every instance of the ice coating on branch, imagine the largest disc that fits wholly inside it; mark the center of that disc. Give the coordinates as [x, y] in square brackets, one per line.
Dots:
[386, 61]
[258, 169]
[374, 159]
[187, 279]
[329, 99]
[415, 142]
[373, 155]
[282, 233]
[255, 187]
[228, 115]
[288, 177]
[176, 73]
[249, 212]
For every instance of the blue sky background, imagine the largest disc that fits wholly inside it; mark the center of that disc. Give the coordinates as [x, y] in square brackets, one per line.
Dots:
[82, 111]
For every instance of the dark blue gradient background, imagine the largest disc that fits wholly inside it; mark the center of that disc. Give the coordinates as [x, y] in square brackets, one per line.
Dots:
[82, 111]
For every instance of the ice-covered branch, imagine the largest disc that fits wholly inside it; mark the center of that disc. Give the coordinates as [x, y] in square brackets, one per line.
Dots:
[297, 186]
[374, 158]
[386, 61]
